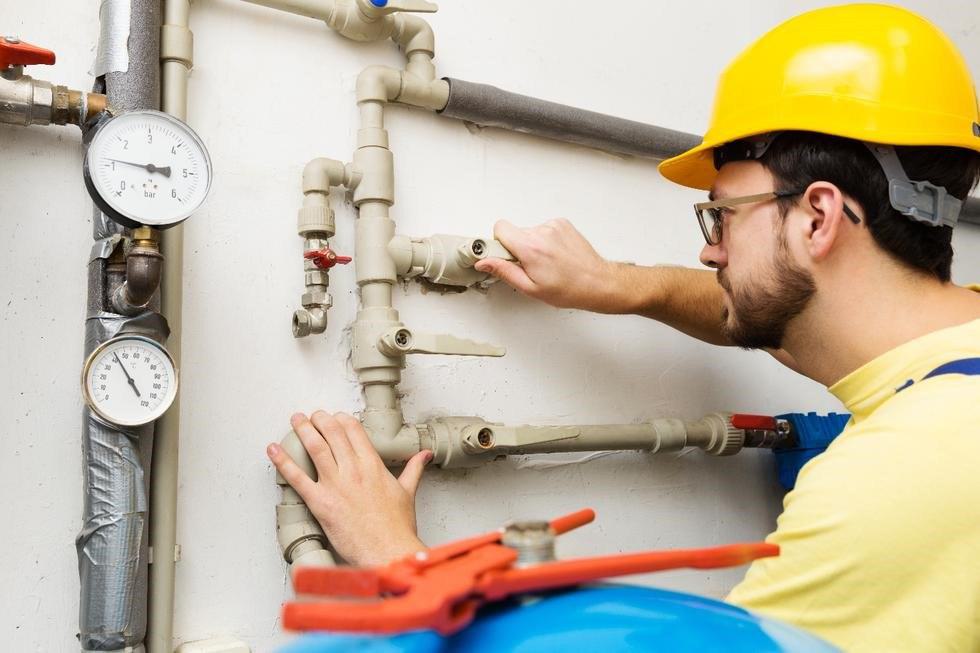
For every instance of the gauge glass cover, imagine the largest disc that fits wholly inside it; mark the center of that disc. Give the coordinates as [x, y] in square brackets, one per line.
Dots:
[129, 381]
[149, 168]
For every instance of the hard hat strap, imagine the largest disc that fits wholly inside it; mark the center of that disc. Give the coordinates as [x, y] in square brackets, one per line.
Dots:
[919, 200]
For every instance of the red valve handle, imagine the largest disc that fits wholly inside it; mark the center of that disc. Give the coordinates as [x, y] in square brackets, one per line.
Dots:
[325, 259]
[14, 52]
[754, 422]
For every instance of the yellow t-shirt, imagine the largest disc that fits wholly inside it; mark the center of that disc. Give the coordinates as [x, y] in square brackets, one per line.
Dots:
[880, 539]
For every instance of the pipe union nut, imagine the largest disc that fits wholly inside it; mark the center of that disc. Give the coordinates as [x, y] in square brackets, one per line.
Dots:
[317, 278]
[317, 299]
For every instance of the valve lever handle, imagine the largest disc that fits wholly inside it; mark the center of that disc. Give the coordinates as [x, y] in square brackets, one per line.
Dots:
[14, 52]
[324, 259]
[762, 422]
[401, 341]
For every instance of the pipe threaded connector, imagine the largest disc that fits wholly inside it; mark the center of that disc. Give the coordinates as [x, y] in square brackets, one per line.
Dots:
[534, 541]
[726, 440]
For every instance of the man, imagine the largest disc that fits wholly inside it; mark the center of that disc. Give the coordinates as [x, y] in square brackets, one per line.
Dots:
[837, 145]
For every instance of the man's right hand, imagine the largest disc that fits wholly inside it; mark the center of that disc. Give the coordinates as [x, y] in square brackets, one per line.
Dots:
[557, 266]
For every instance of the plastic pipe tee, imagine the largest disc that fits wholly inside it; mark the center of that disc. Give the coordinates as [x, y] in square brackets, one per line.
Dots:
[446, 260]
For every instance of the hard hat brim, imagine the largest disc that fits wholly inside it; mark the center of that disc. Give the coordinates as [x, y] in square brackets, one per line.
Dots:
[694, 168]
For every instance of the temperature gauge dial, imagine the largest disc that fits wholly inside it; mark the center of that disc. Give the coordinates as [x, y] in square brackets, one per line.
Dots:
[147, 168]
[129, 381]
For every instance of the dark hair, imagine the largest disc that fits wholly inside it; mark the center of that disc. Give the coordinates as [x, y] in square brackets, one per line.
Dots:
[796, 159]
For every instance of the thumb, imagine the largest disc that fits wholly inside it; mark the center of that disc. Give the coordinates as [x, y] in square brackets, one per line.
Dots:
[412, 474]
[510, 273]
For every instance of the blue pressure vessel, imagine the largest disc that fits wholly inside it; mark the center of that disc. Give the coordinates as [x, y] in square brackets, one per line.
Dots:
[608, 618]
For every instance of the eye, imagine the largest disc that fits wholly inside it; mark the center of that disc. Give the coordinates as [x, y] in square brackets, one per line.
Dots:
[714, 227]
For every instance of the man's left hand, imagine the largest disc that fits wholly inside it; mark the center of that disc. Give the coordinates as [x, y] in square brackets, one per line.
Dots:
[367, 514]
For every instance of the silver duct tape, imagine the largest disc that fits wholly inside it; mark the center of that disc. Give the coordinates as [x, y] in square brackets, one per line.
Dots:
[112, 545]
[113, 54]
[104, 247]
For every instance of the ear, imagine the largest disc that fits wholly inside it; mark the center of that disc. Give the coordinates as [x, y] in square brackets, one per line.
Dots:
[824, 205]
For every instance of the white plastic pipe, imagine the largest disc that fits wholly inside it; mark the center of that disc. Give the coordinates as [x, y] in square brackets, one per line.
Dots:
[176, 62]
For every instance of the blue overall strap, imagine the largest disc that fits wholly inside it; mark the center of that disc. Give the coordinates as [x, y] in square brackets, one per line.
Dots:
[967, 366]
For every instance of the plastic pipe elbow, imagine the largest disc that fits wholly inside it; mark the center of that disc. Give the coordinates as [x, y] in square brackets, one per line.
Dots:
[322, 174]
[414, 34]
[378, 84]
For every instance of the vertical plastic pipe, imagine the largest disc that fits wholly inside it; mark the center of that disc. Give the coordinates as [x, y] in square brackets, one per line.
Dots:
[163, 498]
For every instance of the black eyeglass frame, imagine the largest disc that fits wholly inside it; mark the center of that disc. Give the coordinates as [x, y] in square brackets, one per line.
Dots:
[712, 208]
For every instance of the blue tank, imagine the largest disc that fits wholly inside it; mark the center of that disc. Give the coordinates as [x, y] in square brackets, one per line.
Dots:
[607, 618]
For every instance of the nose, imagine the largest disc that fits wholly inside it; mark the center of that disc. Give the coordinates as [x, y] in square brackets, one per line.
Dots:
[714, 256]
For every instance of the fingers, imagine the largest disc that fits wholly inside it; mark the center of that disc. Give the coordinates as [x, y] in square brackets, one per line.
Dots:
[335, 435]
[290, 471]
[357, 437]
[314, 444]
[510, 273]
[412, 474]
[510, 236]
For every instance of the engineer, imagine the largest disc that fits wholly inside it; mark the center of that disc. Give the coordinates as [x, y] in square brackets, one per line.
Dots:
[839, 150]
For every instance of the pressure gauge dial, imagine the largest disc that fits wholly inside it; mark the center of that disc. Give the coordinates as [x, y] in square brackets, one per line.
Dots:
[129, 381]
[147, 168]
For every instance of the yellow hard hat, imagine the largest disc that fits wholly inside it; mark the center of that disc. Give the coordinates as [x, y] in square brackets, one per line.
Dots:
[869, 72]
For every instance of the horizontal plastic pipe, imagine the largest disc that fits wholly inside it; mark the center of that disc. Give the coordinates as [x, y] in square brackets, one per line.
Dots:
[490, 106]
[713, 433]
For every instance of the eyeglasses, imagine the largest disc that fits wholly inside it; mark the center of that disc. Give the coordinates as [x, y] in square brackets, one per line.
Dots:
[715, 211]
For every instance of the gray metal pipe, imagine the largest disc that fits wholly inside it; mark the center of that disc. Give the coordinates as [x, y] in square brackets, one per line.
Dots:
[144, 266]
[113, 542]
[490, 106]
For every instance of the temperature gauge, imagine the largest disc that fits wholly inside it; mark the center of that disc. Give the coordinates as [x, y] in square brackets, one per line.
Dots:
[147, 168]
[129, 381]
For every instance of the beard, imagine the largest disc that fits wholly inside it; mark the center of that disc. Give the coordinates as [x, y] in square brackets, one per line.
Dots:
[760, 313]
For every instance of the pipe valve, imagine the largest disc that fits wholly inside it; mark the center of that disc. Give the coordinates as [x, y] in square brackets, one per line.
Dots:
[764, 431]
[25, 101]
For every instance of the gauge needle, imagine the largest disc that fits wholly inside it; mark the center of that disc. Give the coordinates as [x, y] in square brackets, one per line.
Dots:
[131, 382]
[149, 167]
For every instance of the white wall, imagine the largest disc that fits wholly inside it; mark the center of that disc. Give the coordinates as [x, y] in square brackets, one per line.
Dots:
[270, 91]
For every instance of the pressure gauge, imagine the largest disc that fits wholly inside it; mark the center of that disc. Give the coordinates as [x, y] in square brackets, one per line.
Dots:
[129, 381]
[147, 168]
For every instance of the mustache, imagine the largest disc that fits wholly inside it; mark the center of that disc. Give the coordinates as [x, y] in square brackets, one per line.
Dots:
[723, 281]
